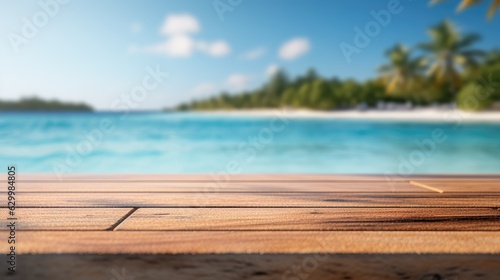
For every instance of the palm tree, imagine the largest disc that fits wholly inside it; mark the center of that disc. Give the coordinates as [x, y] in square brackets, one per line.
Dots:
[467, 3]
[402, 70]
[450, 53]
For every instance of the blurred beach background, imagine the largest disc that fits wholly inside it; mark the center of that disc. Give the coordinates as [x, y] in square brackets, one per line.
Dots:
[345, 87]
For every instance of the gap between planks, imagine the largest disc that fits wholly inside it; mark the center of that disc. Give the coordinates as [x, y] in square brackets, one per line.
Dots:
[122, 219]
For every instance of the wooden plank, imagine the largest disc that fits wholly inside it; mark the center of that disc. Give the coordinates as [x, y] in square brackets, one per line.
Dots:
[64, 219]
[109, 186]
[259, 242]
[404, 219]
[249, 200]
[224, 177]
[219, 177]
[257, 266]
[344, 186]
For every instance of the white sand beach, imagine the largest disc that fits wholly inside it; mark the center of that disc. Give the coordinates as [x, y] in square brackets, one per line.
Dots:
[419, 114]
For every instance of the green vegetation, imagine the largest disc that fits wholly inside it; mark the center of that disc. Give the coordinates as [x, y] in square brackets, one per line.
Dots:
[450, 52]
[450, 71]
[37, 104]
[482, 90]
[403, 73]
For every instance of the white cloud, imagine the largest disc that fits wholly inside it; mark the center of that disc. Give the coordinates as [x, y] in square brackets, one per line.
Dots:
[294, 48]
[254, 54]
[271, 69]
[184, 46]
[179, 41]
[205, 88]
[217, 48]
[136, 27]
[175, 46]
[180, 24]
[238, 81]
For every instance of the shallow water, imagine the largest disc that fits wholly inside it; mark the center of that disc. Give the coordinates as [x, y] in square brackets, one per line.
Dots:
[200, 143]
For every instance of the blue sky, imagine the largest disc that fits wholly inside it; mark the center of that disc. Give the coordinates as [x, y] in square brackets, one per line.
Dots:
[96, 51]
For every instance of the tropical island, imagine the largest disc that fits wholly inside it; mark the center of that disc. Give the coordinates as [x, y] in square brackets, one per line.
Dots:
[37, 104]
[450, 71]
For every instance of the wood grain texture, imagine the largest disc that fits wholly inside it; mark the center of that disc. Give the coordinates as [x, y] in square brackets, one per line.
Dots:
[259, 242]
[244, 200]
[221, 177]
[321, 219]
[248, 177]
[200, 187]
[272, 186]
[261, 214]
[260, 267]
[64, 219]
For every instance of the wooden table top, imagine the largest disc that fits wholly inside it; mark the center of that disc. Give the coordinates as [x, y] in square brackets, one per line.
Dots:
[200, 214]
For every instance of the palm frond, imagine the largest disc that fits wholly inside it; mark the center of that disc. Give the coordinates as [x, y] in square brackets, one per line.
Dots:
[473, 53]
[493, 8]
[467, 3]
[385, 68]
[464, 4]
[428, 47]
[468, 40]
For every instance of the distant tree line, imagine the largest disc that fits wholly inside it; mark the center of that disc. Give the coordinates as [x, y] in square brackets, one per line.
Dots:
[37, 104]
[450, 71]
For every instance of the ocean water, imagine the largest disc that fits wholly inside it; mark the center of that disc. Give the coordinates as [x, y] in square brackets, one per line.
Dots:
[200, 143]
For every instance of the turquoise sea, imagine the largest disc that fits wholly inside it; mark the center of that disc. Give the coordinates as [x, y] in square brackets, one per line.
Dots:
[200, 143]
